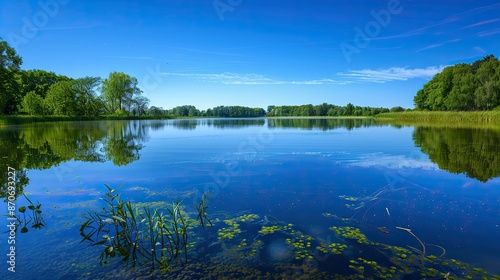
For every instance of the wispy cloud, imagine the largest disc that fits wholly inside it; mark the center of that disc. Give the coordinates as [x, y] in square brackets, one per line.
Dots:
[391, 74]
[250, 79]
[417, 31]
[430, 47]
[479, 49]
[481, 23]
[352, 76]
[438, 45]
[454, 18]
[488, 32]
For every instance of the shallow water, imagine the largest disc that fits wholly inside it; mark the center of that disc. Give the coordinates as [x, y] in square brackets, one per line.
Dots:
[303, 176]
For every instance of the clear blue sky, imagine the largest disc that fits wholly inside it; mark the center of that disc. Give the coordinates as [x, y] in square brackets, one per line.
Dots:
[254, 52]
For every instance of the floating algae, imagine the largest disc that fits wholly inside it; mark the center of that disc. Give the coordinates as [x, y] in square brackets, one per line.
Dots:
[351, 233]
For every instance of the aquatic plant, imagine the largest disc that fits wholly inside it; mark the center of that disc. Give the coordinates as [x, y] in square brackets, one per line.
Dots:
[36, 219]
[201, 207]
[351, 233]
[142, 236]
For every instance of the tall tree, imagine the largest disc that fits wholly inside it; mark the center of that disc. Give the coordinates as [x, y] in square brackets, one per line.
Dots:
[61, 99]
[140, 105]
[10, 64]
[119, 89]
[87, 101]
[32, 104]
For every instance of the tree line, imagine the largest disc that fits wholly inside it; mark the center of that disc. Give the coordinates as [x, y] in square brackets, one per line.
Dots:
[40, 92]
[219, 111]
[325, 109]
[463, 87]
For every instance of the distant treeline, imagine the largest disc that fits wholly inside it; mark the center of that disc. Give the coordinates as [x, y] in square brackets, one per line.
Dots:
[325, 109]
[307, 110]
[463, 87]
[219, 111]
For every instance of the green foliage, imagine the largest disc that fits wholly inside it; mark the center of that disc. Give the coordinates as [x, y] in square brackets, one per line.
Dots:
[219, 111]
[61, 99]
[120, 92]
[397, 109]
[35, 218]
[324, 109]
[462, 87]
[234, 112]
[86, 99]
[32, 104]
[38, 81]
[10, 64]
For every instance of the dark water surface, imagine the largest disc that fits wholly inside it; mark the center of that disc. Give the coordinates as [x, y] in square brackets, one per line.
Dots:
[291, 198]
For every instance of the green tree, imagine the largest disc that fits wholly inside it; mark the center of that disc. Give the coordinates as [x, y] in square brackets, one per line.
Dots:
[463, 86]
[87, 101]
[118, 91]
[38, 81]
[487, 94]
[32, 104]
[397, 109]
[349, 110]
[10, 63]
[140, 105]
[61, 99]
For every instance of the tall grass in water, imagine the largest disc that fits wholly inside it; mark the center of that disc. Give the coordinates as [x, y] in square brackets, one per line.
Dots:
[440, 116]
[140, 237]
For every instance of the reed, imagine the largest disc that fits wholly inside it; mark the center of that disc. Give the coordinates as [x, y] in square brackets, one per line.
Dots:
[202, 207]
[443, 116]
[139, 237]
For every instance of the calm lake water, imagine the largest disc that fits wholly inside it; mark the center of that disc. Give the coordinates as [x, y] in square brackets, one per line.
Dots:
[290, 198]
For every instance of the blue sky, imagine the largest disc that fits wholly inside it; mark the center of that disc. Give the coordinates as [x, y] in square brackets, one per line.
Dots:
[254, 52]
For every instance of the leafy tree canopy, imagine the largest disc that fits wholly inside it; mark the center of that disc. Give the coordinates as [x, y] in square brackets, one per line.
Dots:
[462, 87]
[10, 64]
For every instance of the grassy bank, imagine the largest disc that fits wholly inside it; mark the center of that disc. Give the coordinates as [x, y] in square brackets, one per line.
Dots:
[427, 116]
[20, 119]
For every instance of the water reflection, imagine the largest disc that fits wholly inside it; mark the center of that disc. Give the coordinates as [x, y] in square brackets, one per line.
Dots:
[191, 124]
[473, 151]
[323, 124]
[42, 146]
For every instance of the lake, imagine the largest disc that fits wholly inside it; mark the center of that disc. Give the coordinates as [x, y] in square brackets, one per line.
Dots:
[285, 198]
